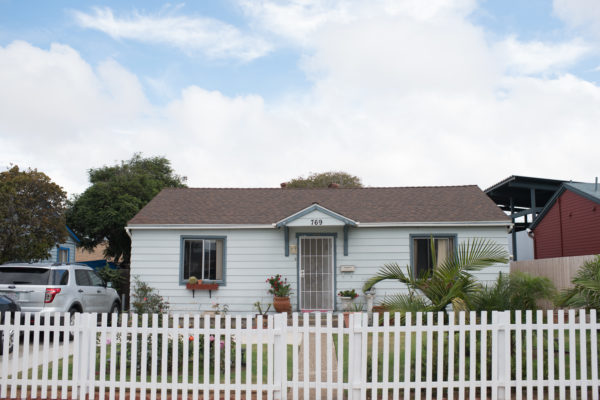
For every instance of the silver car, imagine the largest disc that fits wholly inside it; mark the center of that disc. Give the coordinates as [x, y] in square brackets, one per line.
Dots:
[50, 288]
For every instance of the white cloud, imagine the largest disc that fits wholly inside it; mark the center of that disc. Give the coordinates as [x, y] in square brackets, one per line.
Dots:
[59, 114]
[579, 13]
[209, 36]
[397, 97]
[538, 57]
[299, 20]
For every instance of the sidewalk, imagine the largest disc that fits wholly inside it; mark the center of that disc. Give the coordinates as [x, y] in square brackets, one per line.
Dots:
[315, 365]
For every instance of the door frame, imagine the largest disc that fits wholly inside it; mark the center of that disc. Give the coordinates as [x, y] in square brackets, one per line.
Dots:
[324, 234]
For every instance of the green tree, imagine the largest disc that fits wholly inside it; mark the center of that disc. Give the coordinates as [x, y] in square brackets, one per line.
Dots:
[115, 195]
[323, 179]
[585, 292]
[450, 281]
[32, 217]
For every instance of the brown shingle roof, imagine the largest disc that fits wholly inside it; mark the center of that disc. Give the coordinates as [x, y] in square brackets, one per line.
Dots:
[267, 206]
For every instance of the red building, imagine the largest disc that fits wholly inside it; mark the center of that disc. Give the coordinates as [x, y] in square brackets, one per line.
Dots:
[569, 224]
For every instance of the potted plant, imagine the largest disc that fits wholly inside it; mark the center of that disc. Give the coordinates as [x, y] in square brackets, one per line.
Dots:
[193, 283]
[347, 297]
[259, 307]
[280, 289]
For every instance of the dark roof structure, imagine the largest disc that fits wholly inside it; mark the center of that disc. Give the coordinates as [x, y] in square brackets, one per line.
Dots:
[590, 191]
[364, 205]
[518, 188]
[522, 196]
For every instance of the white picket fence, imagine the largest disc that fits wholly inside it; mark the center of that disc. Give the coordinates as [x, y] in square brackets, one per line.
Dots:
[434, 355]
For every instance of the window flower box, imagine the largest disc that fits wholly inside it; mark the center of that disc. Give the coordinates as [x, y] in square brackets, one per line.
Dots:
[201, 286]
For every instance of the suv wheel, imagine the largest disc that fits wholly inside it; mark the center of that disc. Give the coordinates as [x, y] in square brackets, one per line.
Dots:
[72, 312]
[115, 309]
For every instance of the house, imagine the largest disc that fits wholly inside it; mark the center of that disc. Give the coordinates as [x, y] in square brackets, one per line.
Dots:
[569, 225]
[321, 240]
[94, 258]
[64, 252]
[523, 197]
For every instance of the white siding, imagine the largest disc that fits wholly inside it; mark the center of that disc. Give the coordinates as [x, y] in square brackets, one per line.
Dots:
[253, 255]
[524, 246]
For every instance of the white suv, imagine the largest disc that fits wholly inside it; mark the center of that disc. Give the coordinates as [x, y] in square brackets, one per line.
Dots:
[49, 288]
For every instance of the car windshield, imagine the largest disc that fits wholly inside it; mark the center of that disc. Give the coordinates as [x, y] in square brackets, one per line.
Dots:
[24, 276]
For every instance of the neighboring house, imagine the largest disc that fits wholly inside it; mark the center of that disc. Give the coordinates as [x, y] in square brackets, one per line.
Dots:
[321, 240]
[64, 252]
[94, 258]
[522, 197]
[569, 225]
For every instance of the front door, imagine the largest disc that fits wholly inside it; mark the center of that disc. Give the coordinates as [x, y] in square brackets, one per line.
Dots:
[316, 263]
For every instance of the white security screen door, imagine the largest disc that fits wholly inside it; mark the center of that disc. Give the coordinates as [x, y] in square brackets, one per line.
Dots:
[317, 268]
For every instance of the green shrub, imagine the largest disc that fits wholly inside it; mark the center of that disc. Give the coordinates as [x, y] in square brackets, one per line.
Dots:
[586, 290]
[113, 276]
[517, 291]
[146, 300]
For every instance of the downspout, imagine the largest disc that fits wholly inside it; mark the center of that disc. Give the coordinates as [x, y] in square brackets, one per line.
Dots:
[128, 232]
[514, 230]
[560, 221]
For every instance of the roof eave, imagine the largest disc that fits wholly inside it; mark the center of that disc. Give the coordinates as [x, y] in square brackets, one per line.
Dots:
[361, 225]
[198, 226]
[504, 223]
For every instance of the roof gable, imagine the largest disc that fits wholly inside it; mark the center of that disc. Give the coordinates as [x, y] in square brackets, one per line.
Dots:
[585, 190]
[315, 215]
[211, 206]
[73, 235]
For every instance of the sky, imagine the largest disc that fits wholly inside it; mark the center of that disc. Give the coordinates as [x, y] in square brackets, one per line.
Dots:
[252, 93]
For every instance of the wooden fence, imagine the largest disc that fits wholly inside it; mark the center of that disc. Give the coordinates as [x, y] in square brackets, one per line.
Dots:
[435, 355]
[559, 270]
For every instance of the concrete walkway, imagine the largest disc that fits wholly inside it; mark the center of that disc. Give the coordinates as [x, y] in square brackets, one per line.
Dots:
[313, 362]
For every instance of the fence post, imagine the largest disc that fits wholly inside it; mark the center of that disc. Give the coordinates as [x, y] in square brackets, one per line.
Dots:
[358, 380]
[83, 352]
[501, 322]
[279, 355]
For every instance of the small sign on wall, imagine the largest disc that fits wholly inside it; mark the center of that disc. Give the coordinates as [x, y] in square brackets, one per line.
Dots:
[293, 249]
[347, 268]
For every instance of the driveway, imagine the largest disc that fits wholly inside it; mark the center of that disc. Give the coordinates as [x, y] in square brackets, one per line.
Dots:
[26, 355]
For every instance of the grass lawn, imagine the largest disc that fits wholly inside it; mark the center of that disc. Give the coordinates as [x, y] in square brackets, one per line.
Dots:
[244, 368]
[518, 369]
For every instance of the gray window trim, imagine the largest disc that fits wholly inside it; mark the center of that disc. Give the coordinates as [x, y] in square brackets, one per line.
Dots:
[182, 281]
[412, 237]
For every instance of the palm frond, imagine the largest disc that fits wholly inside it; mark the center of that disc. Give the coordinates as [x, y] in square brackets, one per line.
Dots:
[390, 271]
[404, 303]
[450, 281]
[586, 290]
[474, 255]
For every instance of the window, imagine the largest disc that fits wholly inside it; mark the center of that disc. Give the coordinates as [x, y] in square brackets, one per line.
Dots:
[24, 276]
[95, 280]
[203, 258]
[33, 276]
[421, 252]
[63, 255]
[61, 277]
[82, 278]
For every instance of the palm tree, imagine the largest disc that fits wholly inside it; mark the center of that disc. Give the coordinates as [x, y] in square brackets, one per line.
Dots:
[449, 282]
[586, 290]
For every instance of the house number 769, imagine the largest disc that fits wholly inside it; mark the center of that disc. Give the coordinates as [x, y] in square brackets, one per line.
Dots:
[316, 222]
